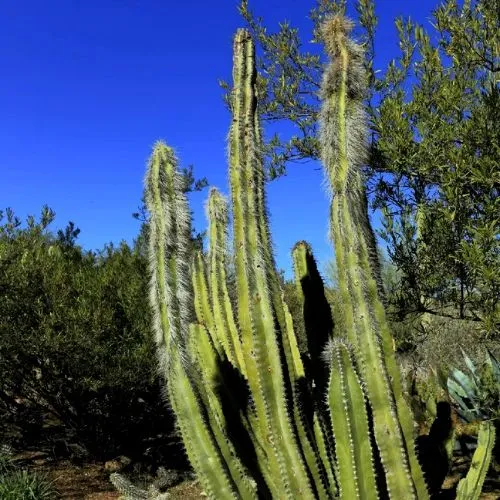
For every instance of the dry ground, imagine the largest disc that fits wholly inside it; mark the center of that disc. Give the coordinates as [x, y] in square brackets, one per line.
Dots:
[90, 481]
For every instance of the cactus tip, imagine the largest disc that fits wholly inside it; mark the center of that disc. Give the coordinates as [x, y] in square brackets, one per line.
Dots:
[334, 32]
[242, 35]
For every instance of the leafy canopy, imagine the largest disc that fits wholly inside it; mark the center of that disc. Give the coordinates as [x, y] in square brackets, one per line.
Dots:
[433, 170]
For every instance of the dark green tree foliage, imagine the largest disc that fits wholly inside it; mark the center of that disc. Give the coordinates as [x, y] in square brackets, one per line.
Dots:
[433, 165]
[74, 342]
[441, 141]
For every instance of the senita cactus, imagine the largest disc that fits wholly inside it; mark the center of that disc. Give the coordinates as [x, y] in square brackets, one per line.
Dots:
[264, 412]
[343, 137]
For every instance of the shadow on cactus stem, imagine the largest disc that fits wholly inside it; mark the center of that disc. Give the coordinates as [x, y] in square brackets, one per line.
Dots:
[316, 312]
[235, 397]
[432, 449]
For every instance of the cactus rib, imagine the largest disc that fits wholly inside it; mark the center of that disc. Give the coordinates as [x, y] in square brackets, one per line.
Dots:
[343, 133]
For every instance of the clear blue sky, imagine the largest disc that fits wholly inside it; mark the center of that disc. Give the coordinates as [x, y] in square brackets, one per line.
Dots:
[88, 86]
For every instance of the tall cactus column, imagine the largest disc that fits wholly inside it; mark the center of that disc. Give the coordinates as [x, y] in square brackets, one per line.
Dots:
[171, 302]
[261, 339]
[343, 136]
[170, 231]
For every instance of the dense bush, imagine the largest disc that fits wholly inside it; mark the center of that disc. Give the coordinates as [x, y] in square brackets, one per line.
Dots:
[75, 347]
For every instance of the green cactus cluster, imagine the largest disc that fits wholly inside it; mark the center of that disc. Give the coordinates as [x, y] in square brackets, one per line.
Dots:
[265, 412]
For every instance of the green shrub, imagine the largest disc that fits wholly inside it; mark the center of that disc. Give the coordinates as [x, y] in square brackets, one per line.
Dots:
[5, 459]
[74, 341]
[18, 484]
[24, 485]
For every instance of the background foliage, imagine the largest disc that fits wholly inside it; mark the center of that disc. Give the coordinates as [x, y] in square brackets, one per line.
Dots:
[433, 171]
[75, 345]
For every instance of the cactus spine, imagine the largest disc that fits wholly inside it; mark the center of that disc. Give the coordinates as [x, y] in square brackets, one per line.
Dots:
[343, 136]
[350, 426]
[263, 413]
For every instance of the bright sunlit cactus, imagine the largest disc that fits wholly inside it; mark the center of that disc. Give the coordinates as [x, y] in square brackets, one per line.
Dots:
[344, 152]
[262, 412]
[469, 488]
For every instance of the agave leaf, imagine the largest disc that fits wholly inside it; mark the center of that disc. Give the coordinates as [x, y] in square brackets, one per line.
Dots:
[466, 381]
[494, 364]
[466, 408]
[467, 387]
[472, 368]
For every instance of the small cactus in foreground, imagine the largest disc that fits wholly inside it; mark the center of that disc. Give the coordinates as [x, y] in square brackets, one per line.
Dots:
[264, 412]
[469, 488]
[157, 490]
